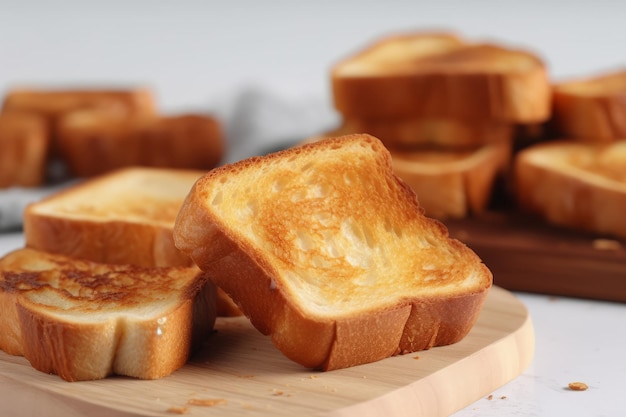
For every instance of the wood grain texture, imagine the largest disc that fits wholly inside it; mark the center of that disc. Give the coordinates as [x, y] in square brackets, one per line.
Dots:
[239, 372]
[527, 254]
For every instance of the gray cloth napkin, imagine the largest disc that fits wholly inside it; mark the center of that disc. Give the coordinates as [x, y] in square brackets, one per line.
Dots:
[255, 121]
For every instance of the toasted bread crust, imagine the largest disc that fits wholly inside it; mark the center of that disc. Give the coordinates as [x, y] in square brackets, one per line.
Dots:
[24, 144]
[311, 339]
[567, 184]
[592, 109]
[84, 320]
[95, 142]
[472, 82]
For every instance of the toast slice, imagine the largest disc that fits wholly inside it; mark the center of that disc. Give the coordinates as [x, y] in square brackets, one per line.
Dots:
[84, 320]
[453, 184]
[324, 248]
[94, 142]
[577, 185]
[124, 217]
[24, 144]
[591, 109]
[398, 77]
[430, 133]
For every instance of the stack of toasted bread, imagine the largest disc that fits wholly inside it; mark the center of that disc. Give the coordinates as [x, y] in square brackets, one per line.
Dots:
[322, 246]
[447, 110]
[455, 115]
[95, 131]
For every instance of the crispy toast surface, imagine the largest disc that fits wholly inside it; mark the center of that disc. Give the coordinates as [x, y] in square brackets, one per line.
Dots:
[84, 320]
[444, 79]
[591, 109]
[576, 185]
[324, 248]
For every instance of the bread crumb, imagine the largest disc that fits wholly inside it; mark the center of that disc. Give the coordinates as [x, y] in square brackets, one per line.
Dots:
[314, 377]
[277, 392]
[209, 402]
[490, 397]
[416, 357]
[606, 244]
[577, 386]
[503, 397]
[178, 410]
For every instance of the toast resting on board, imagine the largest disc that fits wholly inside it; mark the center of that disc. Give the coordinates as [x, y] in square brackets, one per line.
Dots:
[324, 248]
[84, 320]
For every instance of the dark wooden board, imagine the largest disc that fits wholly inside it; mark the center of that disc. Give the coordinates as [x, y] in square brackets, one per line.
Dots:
[526, 254]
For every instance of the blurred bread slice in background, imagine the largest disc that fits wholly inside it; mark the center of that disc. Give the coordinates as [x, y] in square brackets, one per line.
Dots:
[429, 132]
[439, 75]
[94, 142]
[591, 109]
[24, 144]
[573, 184]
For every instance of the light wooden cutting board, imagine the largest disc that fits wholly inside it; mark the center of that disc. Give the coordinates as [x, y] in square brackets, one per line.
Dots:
[239, 372]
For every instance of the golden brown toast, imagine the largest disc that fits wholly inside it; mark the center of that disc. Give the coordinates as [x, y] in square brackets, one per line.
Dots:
[576, 185]
[95, 142]
[591, 109]
[398, 77]
[84, 320]
[327, 250]
[24, 144]
[124, 217]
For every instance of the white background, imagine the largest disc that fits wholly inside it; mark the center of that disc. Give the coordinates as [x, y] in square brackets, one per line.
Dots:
[194, 52]
[198, 54]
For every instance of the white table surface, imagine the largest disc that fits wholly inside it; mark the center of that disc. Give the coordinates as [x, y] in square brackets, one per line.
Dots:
[198, 54]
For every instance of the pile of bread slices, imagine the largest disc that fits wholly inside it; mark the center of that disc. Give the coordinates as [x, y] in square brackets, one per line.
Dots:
[79, 132]
[466, 121]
